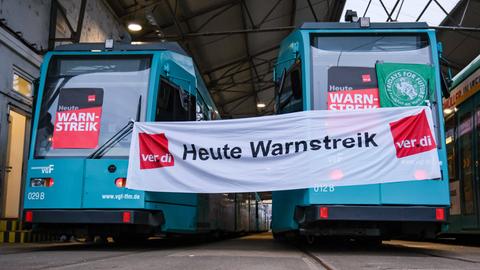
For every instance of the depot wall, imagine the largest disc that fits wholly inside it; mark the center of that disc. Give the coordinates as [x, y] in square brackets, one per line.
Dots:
[24, 36]
[32, 19]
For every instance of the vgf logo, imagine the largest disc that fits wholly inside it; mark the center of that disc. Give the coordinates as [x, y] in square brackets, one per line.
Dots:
[45, 169]
[154, 151]
[412, 135]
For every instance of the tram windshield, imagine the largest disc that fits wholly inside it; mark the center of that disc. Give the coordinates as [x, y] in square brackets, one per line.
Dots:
[336, 56]
[87, 100]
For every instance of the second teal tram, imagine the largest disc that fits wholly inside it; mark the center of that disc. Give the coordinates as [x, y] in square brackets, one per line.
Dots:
[462, 127]
[87, 99]
[318, 60]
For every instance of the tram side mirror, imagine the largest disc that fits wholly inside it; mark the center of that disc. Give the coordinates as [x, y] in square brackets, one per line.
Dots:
[278, 90]
[296, 82]
[446, 83]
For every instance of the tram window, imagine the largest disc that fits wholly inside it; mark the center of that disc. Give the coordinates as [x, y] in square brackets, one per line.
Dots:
[450, 142]
[290, 96]
[363, 51]
[174, 104]
[202, 109]
[123, 79]
[465, 144]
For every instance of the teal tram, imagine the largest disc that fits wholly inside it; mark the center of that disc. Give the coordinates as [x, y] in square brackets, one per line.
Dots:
[318, 59]
[462, 127]
[87, 99]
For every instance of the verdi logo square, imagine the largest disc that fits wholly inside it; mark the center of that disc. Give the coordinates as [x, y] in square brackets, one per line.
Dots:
[412, 135]
[154, 151]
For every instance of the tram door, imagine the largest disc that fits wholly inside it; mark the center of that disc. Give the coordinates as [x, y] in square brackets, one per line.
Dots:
[468, 136]
[17, 124]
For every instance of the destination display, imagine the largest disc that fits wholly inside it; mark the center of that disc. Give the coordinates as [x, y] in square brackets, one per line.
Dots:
[352, 88]
[267, 153]
[78, 117]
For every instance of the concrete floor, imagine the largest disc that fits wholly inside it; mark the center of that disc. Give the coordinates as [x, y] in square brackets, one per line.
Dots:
[258, 251]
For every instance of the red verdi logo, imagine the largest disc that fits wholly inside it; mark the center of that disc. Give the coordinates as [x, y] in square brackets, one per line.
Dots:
[412, 135]
[154, 151]
[366, 78]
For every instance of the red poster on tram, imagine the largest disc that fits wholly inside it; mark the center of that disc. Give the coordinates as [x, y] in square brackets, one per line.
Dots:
[78, 117]
[351, 88]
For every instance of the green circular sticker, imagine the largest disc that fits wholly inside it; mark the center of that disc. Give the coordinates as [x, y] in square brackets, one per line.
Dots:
[405, 87]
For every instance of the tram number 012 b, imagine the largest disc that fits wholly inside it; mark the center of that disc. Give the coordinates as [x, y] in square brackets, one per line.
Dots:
[33, 196]
[324, 188]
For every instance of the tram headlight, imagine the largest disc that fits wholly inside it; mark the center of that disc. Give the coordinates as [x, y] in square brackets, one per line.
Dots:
[41, 182]
[121, 182]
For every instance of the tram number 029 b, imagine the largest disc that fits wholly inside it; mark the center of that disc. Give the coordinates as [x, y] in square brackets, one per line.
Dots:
[324, 188]
[33, 196]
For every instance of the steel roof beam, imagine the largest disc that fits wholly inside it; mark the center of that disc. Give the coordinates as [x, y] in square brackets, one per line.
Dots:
[366, 9]
[247, 50]
[293, 12]
[399, 9]
[197, 14]
[243, 59]
[220, 12]
[174, 16]
[217, 87]
[464, 12]
[260, 77]
[269, 13]
[74, 34]
[225, 75]
[247, 95]
[238, 104]
[128, 12]
[446, 13]
[386, 11]
[312, 10]
[336, 10]
[423, 11]
[252, 23]
[456, 28]
[392, 11]
[220, 33]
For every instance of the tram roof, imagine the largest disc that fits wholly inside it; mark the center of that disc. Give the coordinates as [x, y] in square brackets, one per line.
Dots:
[122, 46]
[349, 25]
[464, 73]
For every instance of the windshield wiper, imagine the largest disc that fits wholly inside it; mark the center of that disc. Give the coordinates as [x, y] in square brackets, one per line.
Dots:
[118, 136]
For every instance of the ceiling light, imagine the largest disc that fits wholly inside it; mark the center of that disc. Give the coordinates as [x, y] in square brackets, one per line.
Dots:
[447, 111]
[134, 27]
[261, 105]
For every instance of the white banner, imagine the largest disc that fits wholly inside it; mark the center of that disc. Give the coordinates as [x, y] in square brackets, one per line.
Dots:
[281, 152]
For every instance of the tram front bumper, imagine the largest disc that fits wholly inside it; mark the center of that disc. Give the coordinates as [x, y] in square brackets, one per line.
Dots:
[370, 221]
[314, 213]
[134, 217]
